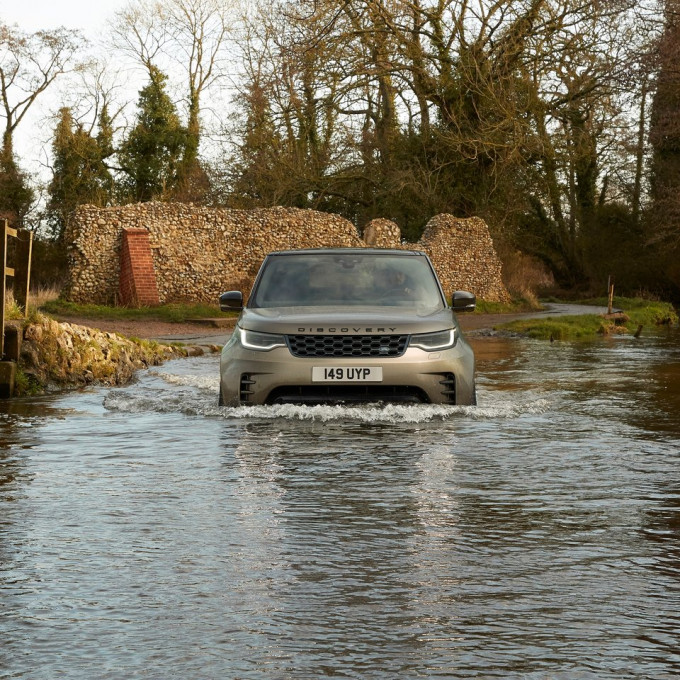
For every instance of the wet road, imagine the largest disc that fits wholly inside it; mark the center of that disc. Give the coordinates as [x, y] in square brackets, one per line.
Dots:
[147, 533]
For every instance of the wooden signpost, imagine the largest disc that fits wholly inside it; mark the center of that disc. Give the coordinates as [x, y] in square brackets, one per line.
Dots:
[10, 343]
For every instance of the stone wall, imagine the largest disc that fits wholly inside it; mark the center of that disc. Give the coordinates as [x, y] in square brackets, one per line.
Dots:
[461, 251]
[199, 252]
[465, 257]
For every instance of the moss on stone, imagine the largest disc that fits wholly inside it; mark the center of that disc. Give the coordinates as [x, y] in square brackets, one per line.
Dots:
[63, 356]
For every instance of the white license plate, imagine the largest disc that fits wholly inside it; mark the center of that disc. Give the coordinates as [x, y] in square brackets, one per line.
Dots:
[347, 374]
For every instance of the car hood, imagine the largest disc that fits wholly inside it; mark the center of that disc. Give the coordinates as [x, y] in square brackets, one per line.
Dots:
[343, 321]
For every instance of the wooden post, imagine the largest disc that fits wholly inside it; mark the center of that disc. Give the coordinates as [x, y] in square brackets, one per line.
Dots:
[610, 293]
[22, 277]
[22, 268]
[3, 263]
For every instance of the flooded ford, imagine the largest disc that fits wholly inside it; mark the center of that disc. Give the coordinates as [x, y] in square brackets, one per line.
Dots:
[146, 532]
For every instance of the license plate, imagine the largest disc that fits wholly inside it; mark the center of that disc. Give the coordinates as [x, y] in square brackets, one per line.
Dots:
[347, 374]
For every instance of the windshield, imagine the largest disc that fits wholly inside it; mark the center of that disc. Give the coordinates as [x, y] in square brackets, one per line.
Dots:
[352, 279]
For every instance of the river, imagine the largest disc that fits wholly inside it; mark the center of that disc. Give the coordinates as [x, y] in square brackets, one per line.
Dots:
[147, 533]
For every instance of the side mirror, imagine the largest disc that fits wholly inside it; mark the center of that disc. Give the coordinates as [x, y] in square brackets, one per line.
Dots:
[232, 300]
[463, 301]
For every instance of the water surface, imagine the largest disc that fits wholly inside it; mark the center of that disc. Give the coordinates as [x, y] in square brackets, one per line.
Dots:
[146, 532]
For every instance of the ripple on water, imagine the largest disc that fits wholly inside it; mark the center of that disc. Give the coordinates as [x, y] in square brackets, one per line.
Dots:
[147, 532]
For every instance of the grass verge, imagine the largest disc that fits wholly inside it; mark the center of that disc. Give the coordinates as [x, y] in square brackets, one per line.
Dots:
[182, 312]
[516, 306]
[640, 312]
[171, 313]
[581, 327]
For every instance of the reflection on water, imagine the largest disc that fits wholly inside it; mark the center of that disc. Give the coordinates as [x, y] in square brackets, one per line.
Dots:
[147, 532]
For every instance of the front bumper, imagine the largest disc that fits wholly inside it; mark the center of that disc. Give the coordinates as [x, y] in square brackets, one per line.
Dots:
[256, 377]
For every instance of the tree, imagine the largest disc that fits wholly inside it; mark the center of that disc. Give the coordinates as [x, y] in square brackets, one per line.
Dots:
[665, 131]
[16, 194]
[79, 173]
[29, 65]
[429, 104]
[253, 174]
[289, 144]
[663, 216]
[190, 34]
[151, 154]
[518, 111]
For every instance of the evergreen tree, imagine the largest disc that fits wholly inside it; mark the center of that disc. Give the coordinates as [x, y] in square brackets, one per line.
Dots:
[105, 134]
[665, 130]
[79, 175]
[663, 216]
[255, 172]
[151, 155]
[16, 195]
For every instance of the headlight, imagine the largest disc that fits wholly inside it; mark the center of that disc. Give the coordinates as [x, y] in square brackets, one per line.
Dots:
[434, 341]
[260, 341]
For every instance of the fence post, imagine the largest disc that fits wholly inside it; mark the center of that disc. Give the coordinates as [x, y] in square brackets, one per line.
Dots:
[4, 228]
[22, 268]
[22, 259]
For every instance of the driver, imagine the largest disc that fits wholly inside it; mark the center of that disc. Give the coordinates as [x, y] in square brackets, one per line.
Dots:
[394, 284]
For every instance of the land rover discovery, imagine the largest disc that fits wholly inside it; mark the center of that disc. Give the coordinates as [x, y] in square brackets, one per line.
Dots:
[347, 325]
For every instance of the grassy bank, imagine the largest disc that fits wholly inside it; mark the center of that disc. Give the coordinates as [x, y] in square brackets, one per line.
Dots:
[57, 356]
[171, 313]
[641, 311]
[638, 313]
[516, 306]
[182, 312]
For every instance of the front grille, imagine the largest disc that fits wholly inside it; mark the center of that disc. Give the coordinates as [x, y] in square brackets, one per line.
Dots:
[347, 345]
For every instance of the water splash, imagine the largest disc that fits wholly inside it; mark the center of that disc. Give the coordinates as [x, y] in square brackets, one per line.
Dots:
[196, 395]
[203, 382]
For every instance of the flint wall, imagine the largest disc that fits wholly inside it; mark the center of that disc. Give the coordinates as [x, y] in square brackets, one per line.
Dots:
[199, 252]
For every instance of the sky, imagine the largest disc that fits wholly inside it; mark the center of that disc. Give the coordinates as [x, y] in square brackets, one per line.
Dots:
[32, 138]
[90, 17]
[87, 15]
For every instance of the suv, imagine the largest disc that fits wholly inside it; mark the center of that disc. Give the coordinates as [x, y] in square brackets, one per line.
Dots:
[347, 325]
